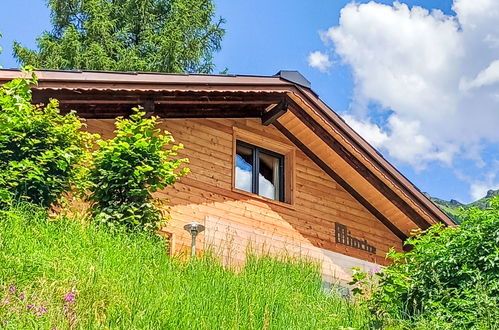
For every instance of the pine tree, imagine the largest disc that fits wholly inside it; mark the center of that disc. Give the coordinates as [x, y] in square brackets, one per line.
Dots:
[128, 35]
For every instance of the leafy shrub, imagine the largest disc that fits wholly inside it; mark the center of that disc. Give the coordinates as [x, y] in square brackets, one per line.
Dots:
[128, 169]
[39, 147]
[449, 280]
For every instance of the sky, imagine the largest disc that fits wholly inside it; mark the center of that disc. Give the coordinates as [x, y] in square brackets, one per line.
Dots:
[419, 79]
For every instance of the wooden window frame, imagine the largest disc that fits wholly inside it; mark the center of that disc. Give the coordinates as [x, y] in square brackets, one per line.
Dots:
[273, 147]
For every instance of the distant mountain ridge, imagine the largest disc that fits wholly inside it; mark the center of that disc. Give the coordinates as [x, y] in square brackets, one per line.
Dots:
[451, 207]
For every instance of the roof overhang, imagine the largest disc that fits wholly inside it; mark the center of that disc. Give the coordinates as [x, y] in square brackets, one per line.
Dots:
[294, 109]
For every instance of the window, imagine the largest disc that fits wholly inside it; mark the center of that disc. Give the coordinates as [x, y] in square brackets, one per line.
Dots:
[264, 165]
[259, 171]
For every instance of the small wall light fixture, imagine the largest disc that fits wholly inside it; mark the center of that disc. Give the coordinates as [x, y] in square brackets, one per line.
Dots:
[194, 228]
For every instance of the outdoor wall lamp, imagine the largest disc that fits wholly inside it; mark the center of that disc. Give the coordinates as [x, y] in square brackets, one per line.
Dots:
[194, 228]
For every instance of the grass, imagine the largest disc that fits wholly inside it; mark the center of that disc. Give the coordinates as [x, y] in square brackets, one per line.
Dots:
[125, 281]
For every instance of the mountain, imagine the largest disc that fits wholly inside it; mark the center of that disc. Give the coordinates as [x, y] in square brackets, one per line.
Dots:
[484, 202]
[451, 207]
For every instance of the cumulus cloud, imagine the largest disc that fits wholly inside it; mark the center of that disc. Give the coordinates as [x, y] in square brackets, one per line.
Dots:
[403, 141]
[319, 61]
[489, 76]
[367, 130]
[435, 76]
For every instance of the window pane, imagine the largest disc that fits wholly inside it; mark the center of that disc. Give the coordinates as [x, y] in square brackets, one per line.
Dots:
[268, 176]
[244, 168]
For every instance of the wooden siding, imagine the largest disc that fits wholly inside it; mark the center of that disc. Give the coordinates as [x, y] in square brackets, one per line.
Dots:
[206, 195]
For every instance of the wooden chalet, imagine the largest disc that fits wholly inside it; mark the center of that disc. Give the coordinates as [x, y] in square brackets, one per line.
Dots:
[273, 168]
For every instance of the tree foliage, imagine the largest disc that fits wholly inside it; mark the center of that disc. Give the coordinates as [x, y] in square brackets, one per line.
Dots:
[128, 169]
[449, 280]
[39, 147]
[128, 35]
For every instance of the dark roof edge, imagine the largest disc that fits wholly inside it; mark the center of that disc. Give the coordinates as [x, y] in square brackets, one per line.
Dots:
[136, 73]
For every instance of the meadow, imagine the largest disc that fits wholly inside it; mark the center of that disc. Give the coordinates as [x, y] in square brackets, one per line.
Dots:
[59, 273]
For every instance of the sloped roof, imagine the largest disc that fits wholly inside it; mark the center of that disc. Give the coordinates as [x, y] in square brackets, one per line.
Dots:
[306, 120]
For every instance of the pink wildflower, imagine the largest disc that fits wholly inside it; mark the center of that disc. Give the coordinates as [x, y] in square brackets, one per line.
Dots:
[22, 296]
[70, 297]
[42, 310]
[12, 289]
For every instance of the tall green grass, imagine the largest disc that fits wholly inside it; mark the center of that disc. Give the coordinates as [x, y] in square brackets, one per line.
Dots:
[127, 281]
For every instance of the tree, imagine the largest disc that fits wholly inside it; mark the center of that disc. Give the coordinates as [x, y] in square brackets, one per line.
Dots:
[128, 169]
[128, 35]
[39, 148]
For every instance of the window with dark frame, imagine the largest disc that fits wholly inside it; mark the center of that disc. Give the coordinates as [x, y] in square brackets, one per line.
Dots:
[259, 171]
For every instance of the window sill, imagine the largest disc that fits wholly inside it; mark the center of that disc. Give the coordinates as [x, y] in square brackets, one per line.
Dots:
[256, 197]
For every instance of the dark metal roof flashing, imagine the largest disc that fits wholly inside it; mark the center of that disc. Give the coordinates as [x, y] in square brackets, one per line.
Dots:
[294, 77]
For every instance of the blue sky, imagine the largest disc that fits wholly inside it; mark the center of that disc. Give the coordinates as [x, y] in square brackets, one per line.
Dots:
[420, 85]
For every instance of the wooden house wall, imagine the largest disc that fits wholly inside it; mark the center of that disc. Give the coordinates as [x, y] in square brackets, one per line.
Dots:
[239, 219]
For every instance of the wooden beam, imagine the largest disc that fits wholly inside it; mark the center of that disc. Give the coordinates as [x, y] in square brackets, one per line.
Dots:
[275, 113]
[357, 165]
[310, 154]
[95, 102]
[159, 96]
[149, 106]
[213, 102]
[103, 111]
[164, 102]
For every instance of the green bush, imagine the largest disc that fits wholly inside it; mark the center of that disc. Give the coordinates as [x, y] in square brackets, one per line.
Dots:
[450, 279]
[128, 169]
[39, 147]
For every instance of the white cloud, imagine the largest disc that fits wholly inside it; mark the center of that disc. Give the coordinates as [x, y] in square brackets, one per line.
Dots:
[486, 77]
[369, 131]
[479, 188]
[319, 61]
[403, 141]
[436, 77]
[476, 14]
